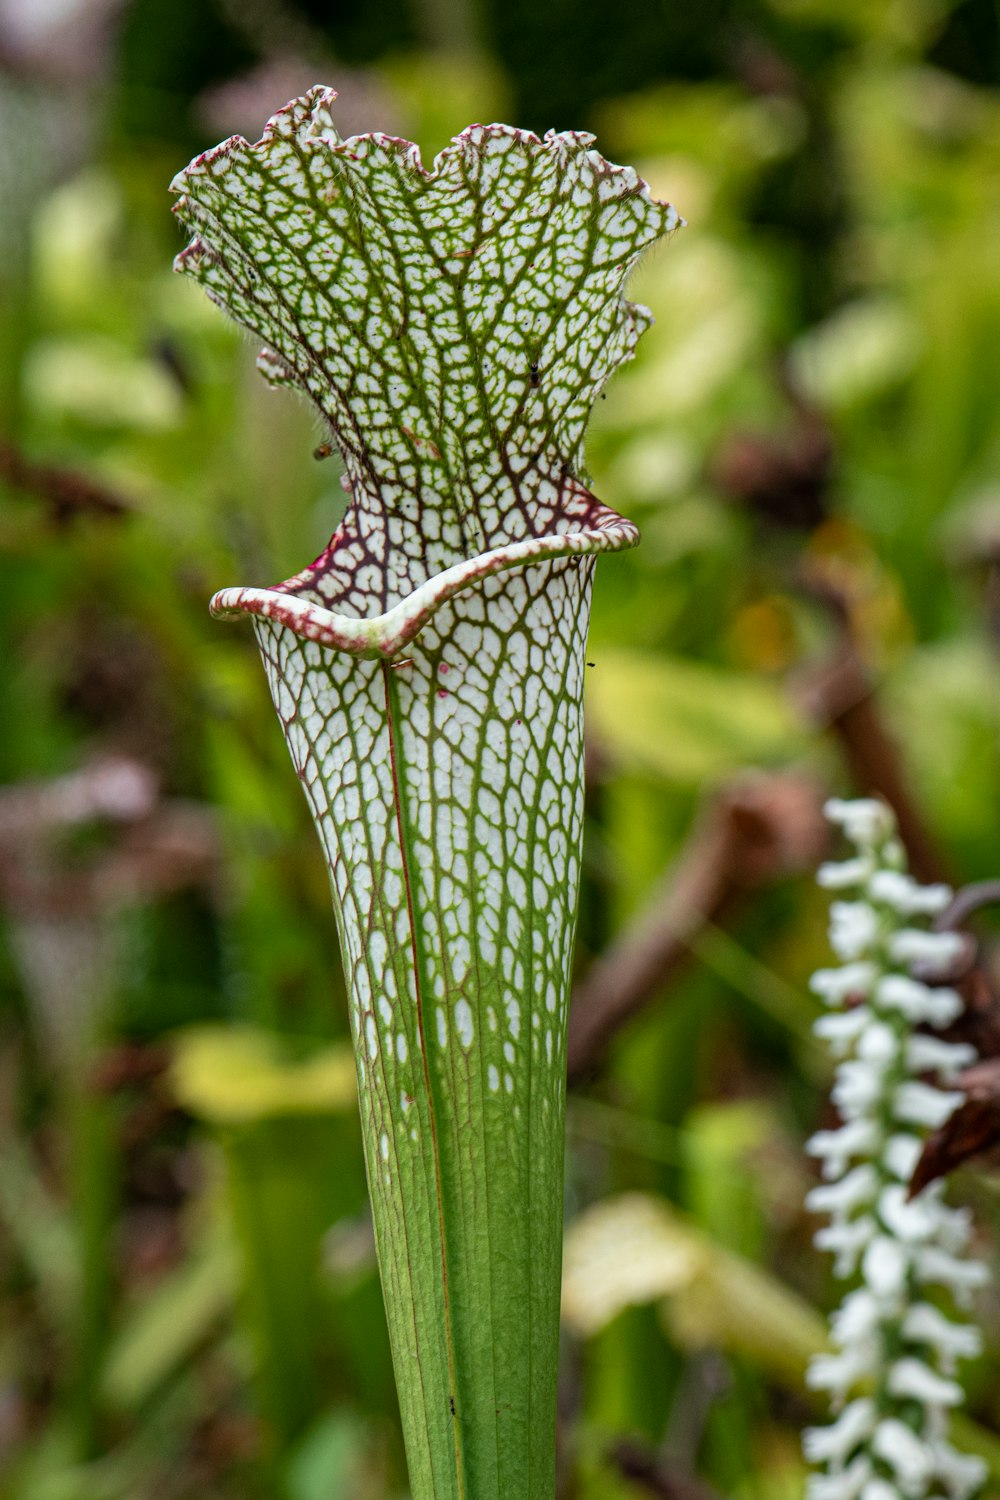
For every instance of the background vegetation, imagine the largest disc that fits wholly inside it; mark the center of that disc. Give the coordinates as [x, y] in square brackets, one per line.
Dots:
[810, 441]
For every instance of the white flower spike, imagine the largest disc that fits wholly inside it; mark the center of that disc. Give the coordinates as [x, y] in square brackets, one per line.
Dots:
[895, 1352]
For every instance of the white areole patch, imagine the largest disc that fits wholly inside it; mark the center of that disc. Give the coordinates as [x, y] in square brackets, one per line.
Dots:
[463, 1023]
[513, 1009]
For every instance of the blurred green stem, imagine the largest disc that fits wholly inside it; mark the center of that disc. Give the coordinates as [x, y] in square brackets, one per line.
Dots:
[93, 1122]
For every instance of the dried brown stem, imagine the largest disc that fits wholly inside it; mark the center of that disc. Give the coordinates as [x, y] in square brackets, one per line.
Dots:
[755, 831]
[67, 493]
[159, 846]
[642, 1467]
[966, 902]
[114, 788]
[838, 696]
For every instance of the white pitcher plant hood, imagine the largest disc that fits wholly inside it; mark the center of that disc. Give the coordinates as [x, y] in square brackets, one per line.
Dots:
[453, 328]
[892, 1373]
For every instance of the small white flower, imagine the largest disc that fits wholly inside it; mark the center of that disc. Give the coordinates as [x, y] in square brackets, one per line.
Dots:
[856, 1190]
[925, 1324]
[838, 1373]
[904, 895]
[960, 1276]
[857, 1318]
[835, 1444]
[913, 1220]
[929, 1054]
[917, 1103]
[879, 1489]
[845, 1484]
[911, 1377]
[858, 1087]
[885, 1267]
[943, 1007]
[961, 1473]
[854, 928]
[901, 1154]
[837, 1148]
[878, 1044]
[842, 1027]
[906, 1454]
[864, 820]
[954, 1225]
[838, 985]
[845, 1239]
[911, 945]
[848, 872]
[918, 1002]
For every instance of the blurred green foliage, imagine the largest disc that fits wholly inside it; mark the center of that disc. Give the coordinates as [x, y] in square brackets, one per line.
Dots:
[186, 1260]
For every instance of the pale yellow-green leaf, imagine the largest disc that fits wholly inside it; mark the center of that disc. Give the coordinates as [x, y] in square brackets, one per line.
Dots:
[622, 1253]
[96, 381]
[685, 720]
[860, 352]
[636, 1249]
[733, 1304]
[711, 324]
[75, 231]
[233, 1075]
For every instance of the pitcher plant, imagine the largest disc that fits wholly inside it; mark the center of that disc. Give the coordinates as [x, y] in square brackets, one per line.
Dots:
[453, 328]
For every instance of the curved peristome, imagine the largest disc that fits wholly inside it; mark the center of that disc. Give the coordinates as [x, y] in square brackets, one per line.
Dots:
[387, 634]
